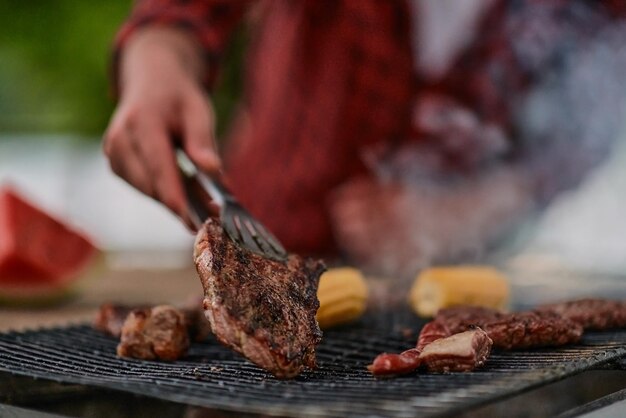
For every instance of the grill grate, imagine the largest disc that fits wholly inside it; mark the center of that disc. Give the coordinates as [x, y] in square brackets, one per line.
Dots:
[212, 376]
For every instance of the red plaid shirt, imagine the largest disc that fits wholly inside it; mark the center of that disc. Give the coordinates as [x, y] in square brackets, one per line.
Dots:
[326, 80]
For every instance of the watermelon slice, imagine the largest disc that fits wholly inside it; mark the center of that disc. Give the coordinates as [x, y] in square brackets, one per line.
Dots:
[40, 257]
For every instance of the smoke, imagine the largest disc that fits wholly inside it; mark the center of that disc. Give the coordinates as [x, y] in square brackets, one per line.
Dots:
[567, 123]
[417, 211]
[396, 229]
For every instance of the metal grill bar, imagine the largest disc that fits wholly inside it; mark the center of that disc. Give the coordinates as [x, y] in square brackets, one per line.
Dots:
[213, 376]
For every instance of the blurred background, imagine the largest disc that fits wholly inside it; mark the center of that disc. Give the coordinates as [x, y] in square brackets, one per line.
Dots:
[54, 76]
[55, 103]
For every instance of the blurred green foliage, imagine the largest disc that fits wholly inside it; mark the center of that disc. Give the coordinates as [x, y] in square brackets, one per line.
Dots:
[54, 66]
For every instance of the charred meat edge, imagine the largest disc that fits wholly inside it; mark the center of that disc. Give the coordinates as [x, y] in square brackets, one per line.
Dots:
[261, 308]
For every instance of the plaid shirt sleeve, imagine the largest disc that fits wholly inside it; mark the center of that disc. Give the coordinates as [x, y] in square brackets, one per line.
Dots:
[209, 21]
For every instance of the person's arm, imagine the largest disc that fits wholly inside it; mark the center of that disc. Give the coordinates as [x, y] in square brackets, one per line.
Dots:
[166, 56]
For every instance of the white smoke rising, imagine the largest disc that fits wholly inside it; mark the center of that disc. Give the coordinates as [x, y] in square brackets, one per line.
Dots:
[569, 120]
[417, 212]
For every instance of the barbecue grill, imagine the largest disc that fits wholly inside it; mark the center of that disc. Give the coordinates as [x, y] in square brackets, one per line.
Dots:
[214, 377]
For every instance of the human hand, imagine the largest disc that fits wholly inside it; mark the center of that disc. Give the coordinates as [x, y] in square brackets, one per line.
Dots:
[162, 105]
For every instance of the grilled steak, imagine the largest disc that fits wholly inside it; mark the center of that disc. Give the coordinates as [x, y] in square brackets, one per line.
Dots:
[262, 308]
[156, 333]
[462, 352]
[596, 314]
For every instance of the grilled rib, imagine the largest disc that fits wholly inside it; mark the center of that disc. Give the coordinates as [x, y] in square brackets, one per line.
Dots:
[462, 352]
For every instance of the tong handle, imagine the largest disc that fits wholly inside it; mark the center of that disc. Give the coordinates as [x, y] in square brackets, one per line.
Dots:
[213, 187]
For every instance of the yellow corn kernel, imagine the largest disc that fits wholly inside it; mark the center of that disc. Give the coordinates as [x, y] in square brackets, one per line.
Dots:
[442, 287]
[342, 293]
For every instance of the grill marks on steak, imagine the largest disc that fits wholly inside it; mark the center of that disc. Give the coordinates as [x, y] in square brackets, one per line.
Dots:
[262, 308]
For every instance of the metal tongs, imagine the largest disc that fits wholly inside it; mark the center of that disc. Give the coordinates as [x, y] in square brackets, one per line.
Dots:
[240, 226]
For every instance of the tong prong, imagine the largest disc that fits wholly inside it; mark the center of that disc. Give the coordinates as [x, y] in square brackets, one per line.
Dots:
[271, 240]
[237, 222]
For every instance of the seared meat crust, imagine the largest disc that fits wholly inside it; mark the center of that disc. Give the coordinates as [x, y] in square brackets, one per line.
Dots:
[392, 363]
[156, 333]
[462, 352]
[591, 313]
[110, 319]
[261, 308]
[508, 330]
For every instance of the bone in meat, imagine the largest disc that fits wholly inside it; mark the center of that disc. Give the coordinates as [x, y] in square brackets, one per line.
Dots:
[462, 352]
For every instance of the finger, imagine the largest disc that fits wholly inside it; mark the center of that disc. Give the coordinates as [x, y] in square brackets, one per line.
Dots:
[125, 161]
[199, 135]
[156, 152]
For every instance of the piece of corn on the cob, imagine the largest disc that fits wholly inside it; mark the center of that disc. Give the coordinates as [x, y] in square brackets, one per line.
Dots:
[342, 293]
[442, 287]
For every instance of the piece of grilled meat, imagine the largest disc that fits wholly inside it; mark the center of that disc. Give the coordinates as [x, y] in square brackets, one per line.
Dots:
[154, 333]
[263, 309]
[462, 352]
[111, 316]
[394, 364]
[508, 331]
